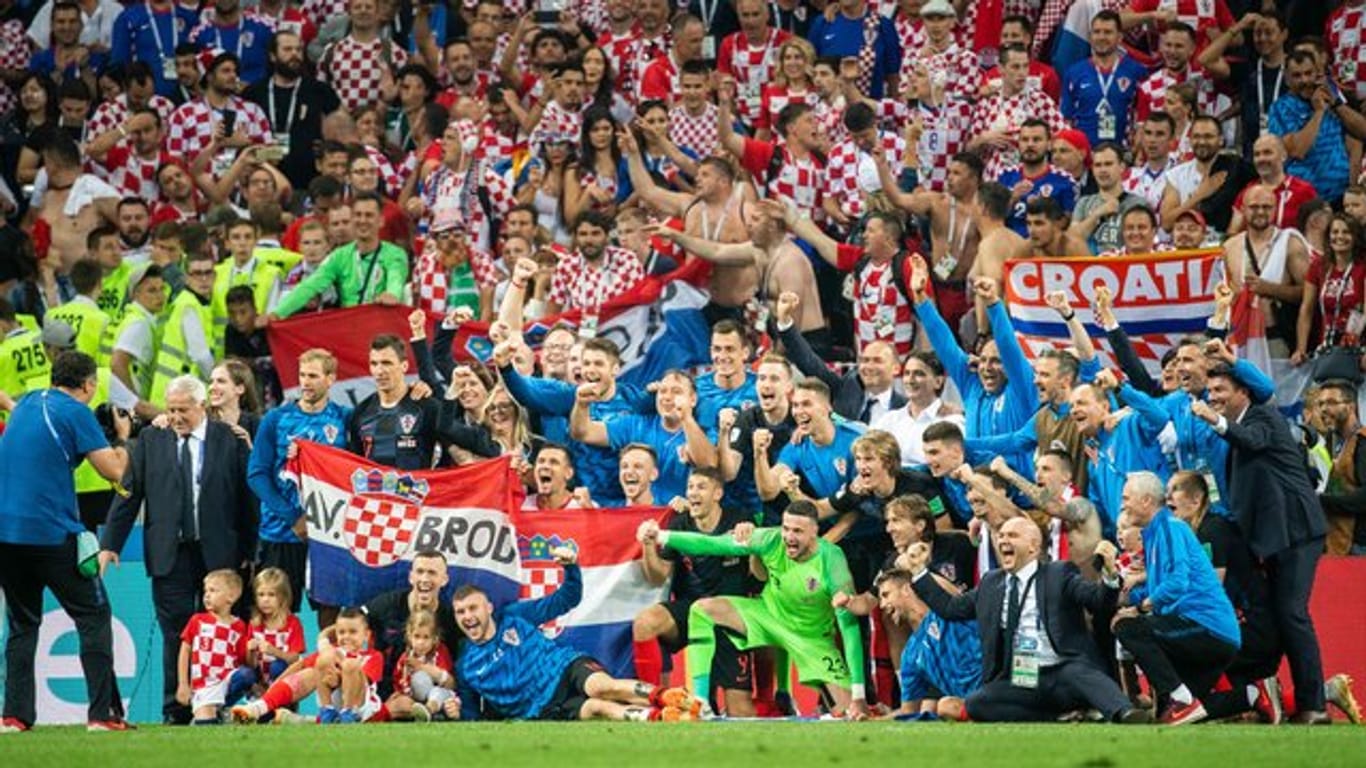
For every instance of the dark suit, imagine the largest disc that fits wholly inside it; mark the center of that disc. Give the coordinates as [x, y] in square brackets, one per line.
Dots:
[1279, 515]
[847, 396]
[1077, 681]
[226, 526]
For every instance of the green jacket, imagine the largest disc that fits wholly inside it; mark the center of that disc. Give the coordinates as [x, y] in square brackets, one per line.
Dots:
[387, 273]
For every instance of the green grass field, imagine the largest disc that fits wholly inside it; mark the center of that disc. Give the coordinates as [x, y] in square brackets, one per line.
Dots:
[757, 745]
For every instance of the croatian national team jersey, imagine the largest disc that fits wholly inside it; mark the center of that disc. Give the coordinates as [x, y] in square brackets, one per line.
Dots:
[289, 637]
[515, 672]
[823, 468]
[217, 648]
[1344, 35]
[670, 448]
[943, 656]
[280, 427]
[1090, 94]
[712, 399]
[151, 37]
[1054, 183]
[248, 39]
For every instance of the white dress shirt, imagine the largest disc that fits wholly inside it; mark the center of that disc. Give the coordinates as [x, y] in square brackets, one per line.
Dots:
[909, 430]
[196, 438]
[1031, 621]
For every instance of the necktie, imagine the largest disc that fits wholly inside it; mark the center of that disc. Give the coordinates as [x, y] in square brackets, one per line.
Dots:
[867, 415]
[1012, 619]
[188, 528]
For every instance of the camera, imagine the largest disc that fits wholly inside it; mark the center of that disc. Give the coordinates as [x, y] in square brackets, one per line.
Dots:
[104, 414]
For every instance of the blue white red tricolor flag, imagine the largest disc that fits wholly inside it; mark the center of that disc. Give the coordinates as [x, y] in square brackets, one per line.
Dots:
[1158, 298]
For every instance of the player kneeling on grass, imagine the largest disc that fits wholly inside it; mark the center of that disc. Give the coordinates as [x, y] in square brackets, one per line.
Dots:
[212, 647]
[942, 658]
[794, 612]
[511, 669]
[423, 682]
[343, 672]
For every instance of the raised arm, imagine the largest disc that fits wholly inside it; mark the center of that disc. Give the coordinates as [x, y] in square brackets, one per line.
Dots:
[582, 427]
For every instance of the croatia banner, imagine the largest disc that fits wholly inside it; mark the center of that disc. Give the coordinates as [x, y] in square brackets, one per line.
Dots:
[614, 585]
[346, 333]
[1158, 298]
[366, 522]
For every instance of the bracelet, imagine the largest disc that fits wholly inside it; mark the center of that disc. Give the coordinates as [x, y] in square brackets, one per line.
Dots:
[1068, 317]
[123, 132]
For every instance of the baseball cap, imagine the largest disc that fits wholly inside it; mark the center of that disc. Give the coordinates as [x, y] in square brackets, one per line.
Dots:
[59, 334]
[938, 8]
[1078, 140]
[1193, 214]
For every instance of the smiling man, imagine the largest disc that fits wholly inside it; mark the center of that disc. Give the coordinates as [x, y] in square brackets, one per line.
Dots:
[389, 612]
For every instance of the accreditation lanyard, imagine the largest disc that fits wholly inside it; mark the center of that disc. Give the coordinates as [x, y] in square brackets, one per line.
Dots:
[156, 33]
[293, 102]
[1263, 106]
[218, 35]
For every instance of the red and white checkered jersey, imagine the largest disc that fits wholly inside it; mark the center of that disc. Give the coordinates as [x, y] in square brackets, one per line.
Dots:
[1152, 92]
[696, 133]
[14, 55]
[801, 181]
[850, 175]
[830, 118]
[496, 146]
[1147, 183]
[430, 276]
[956, 70]
[577, 285]
[290, 20]
[751, 66]
[945, 134]
[393, 181]
[217, 648]
[354, 69]
[881, 312]
[622, 55]
[659, 81]
[1344, 31]
[190, 128]
[289, 637]
[999, 112]
[774, 98]
[320, 11]
[557, 121]
[476, 88]
[647, 49]
[1207, 17]
[111, 114]
[439, 657]
[910, 31]
[131, 175]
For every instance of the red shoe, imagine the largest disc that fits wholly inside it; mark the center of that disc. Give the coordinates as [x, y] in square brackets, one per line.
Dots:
[678, 698]
[12, 725]
[116, 724]
[1183, 714]
[1268, 703]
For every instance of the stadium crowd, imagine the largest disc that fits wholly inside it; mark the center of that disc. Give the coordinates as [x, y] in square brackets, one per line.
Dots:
[872, 481]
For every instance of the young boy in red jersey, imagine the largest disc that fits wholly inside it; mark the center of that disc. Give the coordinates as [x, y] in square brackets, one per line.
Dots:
[213, 646]
[343, 671]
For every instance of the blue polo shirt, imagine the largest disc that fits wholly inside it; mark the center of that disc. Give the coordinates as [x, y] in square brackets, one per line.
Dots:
[1325, 165]
[141, 35]
[47, 436]
[1085, 87]
[249, 39]
[844, 37]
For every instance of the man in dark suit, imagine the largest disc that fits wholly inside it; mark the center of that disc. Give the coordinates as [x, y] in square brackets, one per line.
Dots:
[1276, 509]
[200, 515]
[864, 392]
[1038, 658]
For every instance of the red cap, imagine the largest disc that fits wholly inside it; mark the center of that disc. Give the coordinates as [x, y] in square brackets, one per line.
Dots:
[1194, 214]
[1077, 139]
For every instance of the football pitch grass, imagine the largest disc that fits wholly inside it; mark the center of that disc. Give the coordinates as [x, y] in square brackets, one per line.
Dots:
[704, 745]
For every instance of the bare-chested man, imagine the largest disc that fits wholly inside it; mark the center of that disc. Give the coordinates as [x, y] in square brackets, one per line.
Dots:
[998, 242]
[1270, 262]
[73, 203]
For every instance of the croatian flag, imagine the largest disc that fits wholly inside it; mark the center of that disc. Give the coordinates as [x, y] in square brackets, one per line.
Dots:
[291, 338]
[366, 522]
[614, 586]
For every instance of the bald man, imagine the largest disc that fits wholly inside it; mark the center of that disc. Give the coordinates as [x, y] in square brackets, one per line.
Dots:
[1268, 157]
[1039, 660]
[1271, 262]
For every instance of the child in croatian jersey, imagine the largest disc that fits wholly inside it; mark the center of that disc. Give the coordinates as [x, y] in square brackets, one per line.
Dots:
[212, 647]
[343, 672]
[1132, 575]
[275, 635]
[423, 680]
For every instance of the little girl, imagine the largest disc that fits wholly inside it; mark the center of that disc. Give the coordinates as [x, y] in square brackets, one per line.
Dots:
[423, 681]
[1134, 578]
[276, 635]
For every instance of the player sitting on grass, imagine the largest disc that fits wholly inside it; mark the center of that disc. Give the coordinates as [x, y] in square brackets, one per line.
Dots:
[212, 647]
[513, 670]
[941, 657]
[794, 611]
[423, 681]
[343, 672]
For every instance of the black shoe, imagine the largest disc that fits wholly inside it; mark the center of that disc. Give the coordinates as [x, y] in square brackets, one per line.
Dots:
[1134, 716]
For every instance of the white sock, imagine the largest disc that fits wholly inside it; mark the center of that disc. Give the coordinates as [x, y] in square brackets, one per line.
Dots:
[1251, 695]
[1182, 695]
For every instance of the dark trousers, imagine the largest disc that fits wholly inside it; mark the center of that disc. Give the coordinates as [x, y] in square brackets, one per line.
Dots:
[24, 572]
[1174, 651]
[1075, 684]
[1258, 658]
[1291, 577]
[290, 557]
[177, 596]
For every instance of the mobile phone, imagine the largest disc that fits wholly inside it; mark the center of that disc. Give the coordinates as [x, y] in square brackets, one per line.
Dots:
[229, 121]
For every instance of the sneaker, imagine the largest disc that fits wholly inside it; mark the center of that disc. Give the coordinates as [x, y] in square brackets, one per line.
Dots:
[675, 697]
[1268, 703]
[1183, 714]
[675, 714]
[247, 714]
[421, 714]
[1135, 716]
[290, 717]
[328, 715]
[783, 701]
[1338, 691]
[12, 725]
[348, 717]
[115, 724]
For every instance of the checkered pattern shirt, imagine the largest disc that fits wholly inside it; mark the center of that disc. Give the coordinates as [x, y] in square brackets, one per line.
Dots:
[1148, 184]
[696, 133]
[320, 11]
[999, 112]
[431, 278]
[14, 54]
[290, 637]
[556, 119]
[190, 128]
[393, 181]
[496, 146]
[290, 20]
[1152, 93]
[622, 54]
[910, 31]
[216, 649]
[576, 285]
[850, 175]
[774, 98]
[1050, 18]
[751, 67]
[956, 70]
[801, 182]
[131, 175]
[1210, 16]
[354, 69]
[111, 114]
[439, 657]
[1344, 31]
[945, 134]
[881, 312]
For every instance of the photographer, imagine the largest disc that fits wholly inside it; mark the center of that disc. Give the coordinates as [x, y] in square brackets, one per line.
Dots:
[49, 433]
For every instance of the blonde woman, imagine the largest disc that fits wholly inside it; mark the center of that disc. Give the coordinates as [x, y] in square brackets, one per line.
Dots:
[791, 84]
